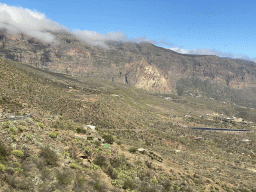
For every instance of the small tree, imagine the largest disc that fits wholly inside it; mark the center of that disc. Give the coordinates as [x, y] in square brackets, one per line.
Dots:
[109, 139]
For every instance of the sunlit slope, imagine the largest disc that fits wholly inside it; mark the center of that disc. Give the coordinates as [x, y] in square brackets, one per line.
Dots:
[136, 119]
[142, 65]
[106, 103]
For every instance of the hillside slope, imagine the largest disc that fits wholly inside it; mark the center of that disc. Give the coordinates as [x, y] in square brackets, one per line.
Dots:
[140, 65]
[54, 150]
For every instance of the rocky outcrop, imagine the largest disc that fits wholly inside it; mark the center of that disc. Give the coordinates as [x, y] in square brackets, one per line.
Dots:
[151, 78]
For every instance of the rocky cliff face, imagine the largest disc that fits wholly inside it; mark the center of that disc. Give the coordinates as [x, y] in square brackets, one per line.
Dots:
[141, 65]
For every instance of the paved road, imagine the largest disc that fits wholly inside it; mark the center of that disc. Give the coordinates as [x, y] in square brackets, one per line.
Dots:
[218, 129]
[14, 118]
[135, 130]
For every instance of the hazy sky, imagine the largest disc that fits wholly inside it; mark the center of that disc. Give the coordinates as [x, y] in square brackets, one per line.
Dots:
[221, 27]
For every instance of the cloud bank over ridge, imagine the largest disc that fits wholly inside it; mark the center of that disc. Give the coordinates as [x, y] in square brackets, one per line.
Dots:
[206, 51]
[34, 24]
[19, 20]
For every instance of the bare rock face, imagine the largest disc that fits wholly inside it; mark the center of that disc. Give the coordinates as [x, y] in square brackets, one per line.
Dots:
[141, 65]
[150, 78]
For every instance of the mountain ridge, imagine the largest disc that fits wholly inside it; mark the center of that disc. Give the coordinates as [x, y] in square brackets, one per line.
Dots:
[141, 65]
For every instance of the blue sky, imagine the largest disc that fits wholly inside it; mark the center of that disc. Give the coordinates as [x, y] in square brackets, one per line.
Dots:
[222, 27]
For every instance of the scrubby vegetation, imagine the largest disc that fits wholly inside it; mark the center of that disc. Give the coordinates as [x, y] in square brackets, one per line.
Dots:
[50, 151]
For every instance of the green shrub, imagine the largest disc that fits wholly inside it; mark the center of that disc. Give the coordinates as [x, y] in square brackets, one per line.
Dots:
[119, 143]
[100, 161]
[49, 156]
[112, 173]
[149, 165]
[3, 153]
[13, 130]
[94, 167]
[133, 150]
[81, 180]
[155, 181]
[13, 138]
[73, 166]
[116, 183]
[108, 138]
[245, 190]
[89, 138]
[18, 153]
[17, 164]
[167, 184]
[53, 135]
[129, 184]
[19, 171]
[64, 178]
[208, 181]
[41, 125]
[29, 137]
[6, 124]
[2, 167]
[80, 130]
[97, 185]
[116, 162]
[97, 143]
[20, 128]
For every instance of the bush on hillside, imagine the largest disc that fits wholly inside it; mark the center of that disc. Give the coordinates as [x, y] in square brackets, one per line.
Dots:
[41, 125]
[18, 153]
[109, 139]
[3, 153]
[112, 173]
[64, 178]
[100, 161]
[129, 184]
[53, 135]
[6, 124]
[49, 156]
[2, 167]
[133, 150]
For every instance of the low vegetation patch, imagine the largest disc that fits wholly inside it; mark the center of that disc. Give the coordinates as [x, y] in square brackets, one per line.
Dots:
[18, 153]
[53, 135]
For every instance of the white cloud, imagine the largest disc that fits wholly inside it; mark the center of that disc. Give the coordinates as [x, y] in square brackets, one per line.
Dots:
[19, 20]
[98, 39]
[206, 51]
[35, 24]
[32, 23]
